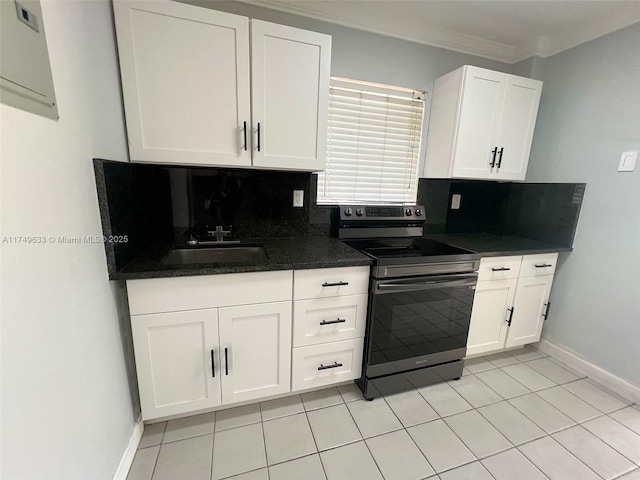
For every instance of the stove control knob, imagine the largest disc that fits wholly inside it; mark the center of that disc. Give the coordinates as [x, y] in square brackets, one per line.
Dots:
[348, 212]
[408, 212]
[418, 212]
[359, 212]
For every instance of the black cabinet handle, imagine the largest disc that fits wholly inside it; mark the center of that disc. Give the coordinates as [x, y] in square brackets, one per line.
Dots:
[336, 284]
[325, 367]
[258, 136]
[542, 265]
[546, 310]
[510, 315]
[500, 159]
[493, 161]
[501, 269]
[213, 365]
[244, 130]
[226, 362]
[330, 322]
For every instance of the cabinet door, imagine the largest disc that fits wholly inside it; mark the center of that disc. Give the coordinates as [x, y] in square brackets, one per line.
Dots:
[479, 122]
[255, 343]
[185, 80]
[488, 328]
[532, 296]
[519, 114]
[177, 361]
[290, 96]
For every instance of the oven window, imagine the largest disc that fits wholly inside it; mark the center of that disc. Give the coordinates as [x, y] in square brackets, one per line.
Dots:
[414, 324]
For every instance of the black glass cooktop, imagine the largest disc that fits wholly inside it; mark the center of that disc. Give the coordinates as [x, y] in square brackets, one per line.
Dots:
[399, 248]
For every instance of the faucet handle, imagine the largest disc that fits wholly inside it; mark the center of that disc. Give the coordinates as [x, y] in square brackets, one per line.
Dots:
[219, 233]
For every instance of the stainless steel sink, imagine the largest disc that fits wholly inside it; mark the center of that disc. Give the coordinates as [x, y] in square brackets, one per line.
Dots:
[222, 254]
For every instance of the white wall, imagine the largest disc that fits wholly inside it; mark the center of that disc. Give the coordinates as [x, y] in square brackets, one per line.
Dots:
[589, 114]
[66, 408]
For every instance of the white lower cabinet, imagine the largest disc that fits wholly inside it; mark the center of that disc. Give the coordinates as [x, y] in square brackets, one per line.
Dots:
[197, 346]
[510, 312]
[329, 316]
[491, 304]
[529, 310]
[177, 361]
[327, 363]
[255, 342]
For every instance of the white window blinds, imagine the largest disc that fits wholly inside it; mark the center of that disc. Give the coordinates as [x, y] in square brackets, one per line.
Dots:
[373, 144]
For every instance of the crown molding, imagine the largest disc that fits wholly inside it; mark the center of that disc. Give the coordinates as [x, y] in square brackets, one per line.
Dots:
[460, 42]
[430, 35]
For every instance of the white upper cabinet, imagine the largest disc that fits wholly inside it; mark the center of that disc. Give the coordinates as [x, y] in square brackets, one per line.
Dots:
[481, 125]
[194, 94]
[185, 80]
[290, 96]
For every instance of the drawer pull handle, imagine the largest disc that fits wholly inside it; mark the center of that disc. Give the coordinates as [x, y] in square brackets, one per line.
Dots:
[213, 365]
[325, 367]
[510, 315]
[546, 310]
[543, 265]
[501, 269]
[493, 161]
[336, 284]
[331, 322]
[226, 361]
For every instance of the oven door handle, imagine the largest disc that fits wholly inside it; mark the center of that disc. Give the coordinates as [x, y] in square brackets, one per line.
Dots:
[413, 286]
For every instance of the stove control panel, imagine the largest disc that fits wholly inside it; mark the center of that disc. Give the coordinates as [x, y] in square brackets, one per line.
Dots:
[380, 212]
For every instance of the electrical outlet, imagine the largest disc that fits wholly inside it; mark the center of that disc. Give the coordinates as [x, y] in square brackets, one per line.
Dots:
[456, 198]
[298, 198]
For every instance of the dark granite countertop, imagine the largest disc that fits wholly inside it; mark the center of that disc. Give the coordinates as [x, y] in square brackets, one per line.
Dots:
[489, 245]
[291, 253]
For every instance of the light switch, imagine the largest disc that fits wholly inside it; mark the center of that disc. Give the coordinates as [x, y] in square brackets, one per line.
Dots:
[628, 161]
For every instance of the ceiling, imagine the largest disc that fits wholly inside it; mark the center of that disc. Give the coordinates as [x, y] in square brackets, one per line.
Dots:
[504, 30]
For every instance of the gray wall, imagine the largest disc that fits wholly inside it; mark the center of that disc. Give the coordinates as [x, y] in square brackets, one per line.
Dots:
[67, 411]
[361, 55]
[589, 114]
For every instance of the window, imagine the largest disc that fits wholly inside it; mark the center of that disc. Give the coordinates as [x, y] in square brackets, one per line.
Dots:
[373, 144]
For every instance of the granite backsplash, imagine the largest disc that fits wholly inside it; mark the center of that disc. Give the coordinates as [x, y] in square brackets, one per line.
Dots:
[163, 204]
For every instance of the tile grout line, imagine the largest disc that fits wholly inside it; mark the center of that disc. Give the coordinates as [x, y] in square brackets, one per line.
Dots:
[406, 429]
[364, 440]
[155, 464]
[324, 471]
[213, 445]
[567, 450]
[607, 443]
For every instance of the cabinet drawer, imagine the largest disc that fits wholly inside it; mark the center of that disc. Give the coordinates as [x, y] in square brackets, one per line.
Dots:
[330, 282]
[155, 295]
[499, 268]
[344, 360]
[322, 320]
[538, 265]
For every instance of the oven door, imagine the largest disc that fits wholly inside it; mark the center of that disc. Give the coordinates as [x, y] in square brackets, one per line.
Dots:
[417, 322]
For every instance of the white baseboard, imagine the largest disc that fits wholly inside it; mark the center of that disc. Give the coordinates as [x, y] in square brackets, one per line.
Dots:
[127, 457]
[607, 379]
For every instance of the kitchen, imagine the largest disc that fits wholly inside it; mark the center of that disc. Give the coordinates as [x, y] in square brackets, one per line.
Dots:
[63, 320]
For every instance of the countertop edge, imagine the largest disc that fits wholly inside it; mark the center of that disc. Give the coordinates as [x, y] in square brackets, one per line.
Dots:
[509, 253]
[365, 262]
